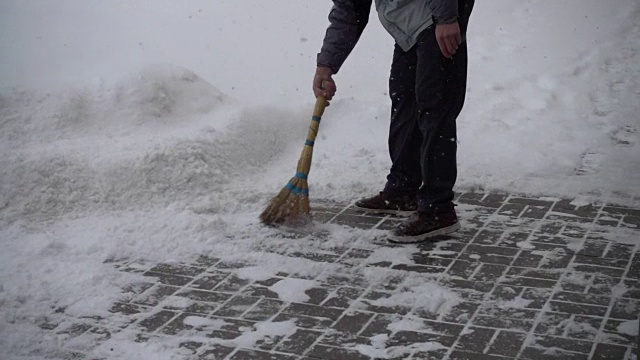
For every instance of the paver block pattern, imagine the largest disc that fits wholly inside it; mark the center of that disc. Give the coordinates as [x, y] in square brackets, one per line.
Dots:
[538, 278]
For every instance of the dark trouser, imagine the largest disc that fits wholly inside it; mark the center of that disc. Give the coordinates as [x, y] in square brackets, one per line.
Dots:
[427, 94]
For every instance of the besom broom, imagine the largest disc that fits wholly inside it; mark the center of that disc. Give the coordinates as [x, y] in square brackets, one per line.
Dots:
[291, 205]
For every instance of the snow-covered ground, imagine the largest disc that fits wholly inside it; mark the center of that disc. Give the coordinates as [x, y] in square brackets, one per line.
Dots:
[158, 130]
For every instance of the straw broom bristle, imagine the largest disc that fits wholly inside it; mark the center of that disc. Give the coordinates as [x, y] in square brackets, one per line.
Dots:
[290, 206]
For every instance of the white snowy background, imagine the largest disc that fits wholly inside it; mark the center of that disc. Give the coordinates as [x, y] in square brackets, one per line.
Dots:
[158, 130]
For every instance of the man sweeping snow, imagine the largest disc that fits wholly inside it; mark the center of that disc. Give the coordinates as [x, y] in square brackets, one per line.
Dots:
[427, 87]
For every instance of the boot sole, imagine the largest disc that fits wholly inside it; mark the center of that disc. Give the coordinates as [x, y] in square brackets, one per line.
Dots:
[423, 237]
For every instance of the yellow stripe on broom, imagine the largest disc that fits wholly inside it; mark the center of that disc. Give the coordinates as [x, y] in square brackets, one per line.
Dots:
[291, 205]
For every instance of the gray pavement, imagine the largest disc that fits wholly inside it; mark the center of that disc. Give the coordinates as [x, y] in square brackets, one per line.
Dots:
[537, 278]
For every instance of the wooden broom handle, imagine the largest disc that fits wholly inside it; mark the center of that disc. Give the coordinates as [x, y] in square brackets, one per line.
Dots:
[321, 103]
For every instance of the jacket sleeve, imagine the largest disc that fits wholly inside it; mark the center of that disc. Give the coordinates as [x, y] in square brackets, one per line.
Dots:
[444, 11]
[347, 19]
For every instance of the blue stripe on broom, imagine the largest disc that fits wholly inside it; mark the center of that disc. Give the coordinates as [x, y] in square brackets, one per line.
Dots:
[297, 190]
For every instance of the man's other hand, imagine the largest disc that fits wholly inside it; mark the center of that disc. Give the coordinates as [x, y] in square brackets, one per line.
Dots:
[449, 38]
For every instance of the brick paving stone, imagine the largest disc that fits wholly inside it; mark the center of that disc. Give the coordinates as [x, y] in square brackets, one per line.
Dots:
[209, 281]
[600, 270]
[204, 296]
[232, 283]
[264, 310]
[468, 289]
[310, 316]
[419, 268]
[389, 224]
[626, 309]
[319, 257]
[236, 306]
[354, 257]
[463, 269]
[380, 325]
[157, 320]
[74, 330]
[634, 270]
[343, 280]
[130, 291]
[299, 342]
[587, 211]
[513, 210]
[335, 353]
[581, 298]
[461, 313]
[552, 323]
[507, 343]
[438, 354]
[198, 307]
[534, 353]
[475, 339]
[191, 346]
[528, 259]
[154, 295]
[368, 303]
[584, 327]
[313, 310]
[488, 237]
[489, 272]
[547, 274]
[178, 324]
[176, 269]
[611, 335]
[363, 222]
[613, 263]
[630, 289]
[343, 297]
[603, 285]
[214, 352]
[610, 352]
[575, 282]
[127, 309]
[486, 258]
[506, 293]
[257, 291]
[535, 211]
[407, 338]
[578, 309]
[537, 297]
[260, 355]
[491, 200]
[425, 258]
[537, 278]
[353, 322]
[341, 339]
[462, 355]
[506, 318]
[169, 279]
[592, 249]
[527, 282]
[205, 261]
[570, 345]
[619, 251]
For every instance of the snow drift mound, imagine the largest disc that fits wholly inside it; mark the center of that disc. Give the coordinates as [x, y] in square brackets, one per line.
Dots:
[161, 135]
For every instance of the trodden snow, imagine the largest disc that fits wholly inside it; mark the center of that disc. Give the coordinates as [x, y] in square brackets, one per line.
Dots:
[158, 130]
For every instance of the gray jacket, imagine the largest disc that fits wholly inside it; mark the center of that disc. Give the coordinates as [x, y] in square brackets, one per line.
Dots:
[403, 19]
